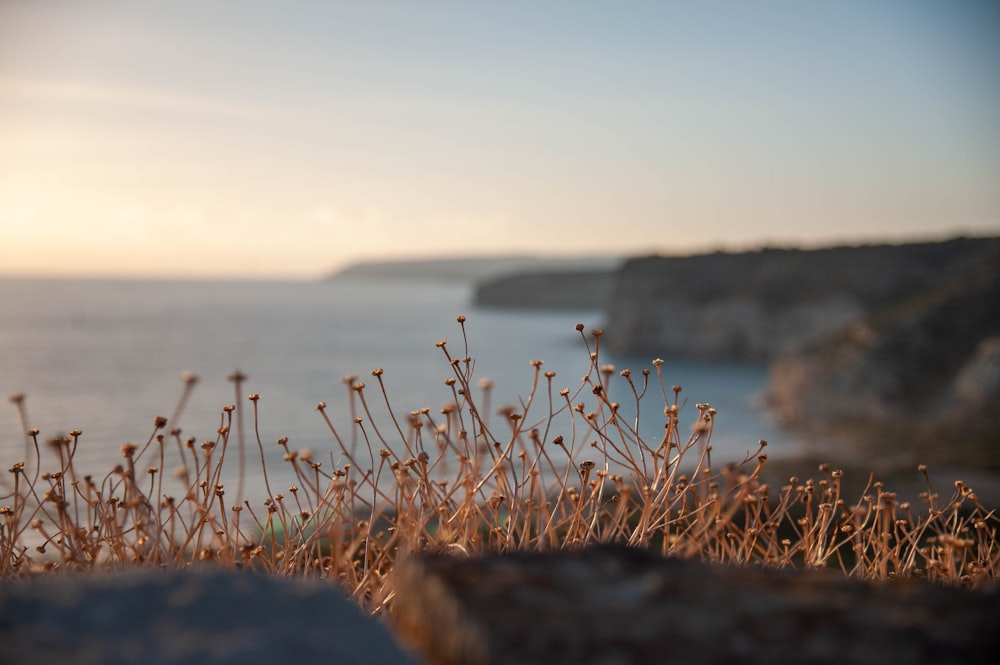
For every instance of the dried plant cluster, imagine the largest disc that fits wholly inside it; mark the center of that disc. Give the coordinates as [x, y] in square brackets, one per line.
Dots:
[561, 469]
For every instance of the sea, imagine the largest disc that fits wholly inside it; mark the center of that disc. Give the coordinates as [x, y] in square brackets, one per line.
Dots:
[107, 357]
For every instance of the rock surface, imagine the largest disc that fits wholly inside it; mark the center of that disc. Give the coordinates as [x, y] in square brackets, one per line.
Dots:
[617, 606]
[204, 616]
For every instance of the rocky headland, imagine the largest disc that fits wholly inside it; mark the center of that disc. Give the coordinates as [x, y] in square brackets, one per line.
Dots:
[479, 269]
[754, 306]
[874, 342]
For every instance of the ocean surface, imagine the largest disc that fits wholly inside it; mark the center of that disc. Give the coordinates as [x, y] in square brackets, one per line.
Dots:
[107, 358]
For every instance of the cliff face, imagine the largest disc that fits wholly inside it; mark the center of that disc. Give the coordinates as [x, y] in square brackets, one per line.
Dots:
[754, 306]
[926, 369]
[891, 345]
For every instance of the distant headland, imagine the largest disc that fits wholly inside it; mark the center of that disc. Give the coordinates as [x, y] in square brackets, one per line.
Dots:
[474, 269]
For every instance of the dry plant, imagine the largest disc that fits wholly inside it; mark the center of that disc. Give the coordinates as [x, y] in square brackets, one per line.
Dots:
[560, 469]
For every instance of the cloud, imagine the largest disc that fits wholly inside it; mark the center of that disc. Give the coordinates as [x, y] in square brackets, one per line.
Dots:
[152, 99]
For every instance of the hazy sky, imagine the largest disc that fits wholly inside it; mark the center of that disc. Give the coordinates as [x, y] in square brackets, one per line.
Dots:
[282, 139]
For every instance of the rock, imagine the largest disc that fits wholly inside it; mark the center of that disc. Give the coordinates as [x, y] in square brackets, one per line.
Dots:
[204, 616]
[613, 605]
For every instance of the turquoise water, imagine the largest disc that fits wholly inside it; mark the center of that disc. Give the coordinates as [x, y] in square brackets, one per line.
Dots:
[106, 357]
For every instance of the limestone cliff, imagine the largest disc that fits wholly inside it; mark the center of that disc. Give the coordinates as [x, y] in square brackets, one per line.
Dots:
[754, 306]
[925, 370]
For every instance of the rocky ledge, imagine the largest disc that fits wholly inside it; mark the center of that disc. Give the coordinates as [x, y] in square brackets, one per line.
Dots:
[613, 605]
[595, 606]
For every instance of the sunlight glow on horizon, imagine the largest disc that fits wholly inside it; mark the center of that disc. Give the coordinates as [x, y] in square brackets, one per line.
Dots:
[251, 140]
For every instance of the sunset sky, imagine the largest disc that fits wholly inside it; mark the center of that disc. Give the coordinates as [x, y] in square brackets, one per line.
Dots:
[284, 139]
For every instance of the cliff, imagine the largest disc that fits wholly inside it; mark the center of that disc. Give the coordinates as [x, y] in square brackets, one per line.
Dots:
[469, 268]
[925, 370]
[897, 346]
[754, 306]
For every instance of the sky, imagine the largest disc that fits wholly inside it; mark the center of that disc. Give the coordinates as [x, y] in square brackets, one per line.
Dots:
[248, 139]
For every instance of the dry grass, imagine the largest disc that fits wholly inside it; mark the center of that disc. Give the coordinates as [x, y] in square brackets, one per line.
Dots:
[561, 469]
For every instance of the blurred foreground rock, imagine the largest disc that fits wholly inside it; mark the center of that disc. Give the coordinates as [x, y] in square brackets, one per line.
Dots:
[203, 616]
[619, 606]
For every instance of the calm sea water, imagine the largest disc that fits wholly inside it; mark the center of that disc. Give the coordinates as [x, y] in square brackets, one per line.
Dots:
[106, 357]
